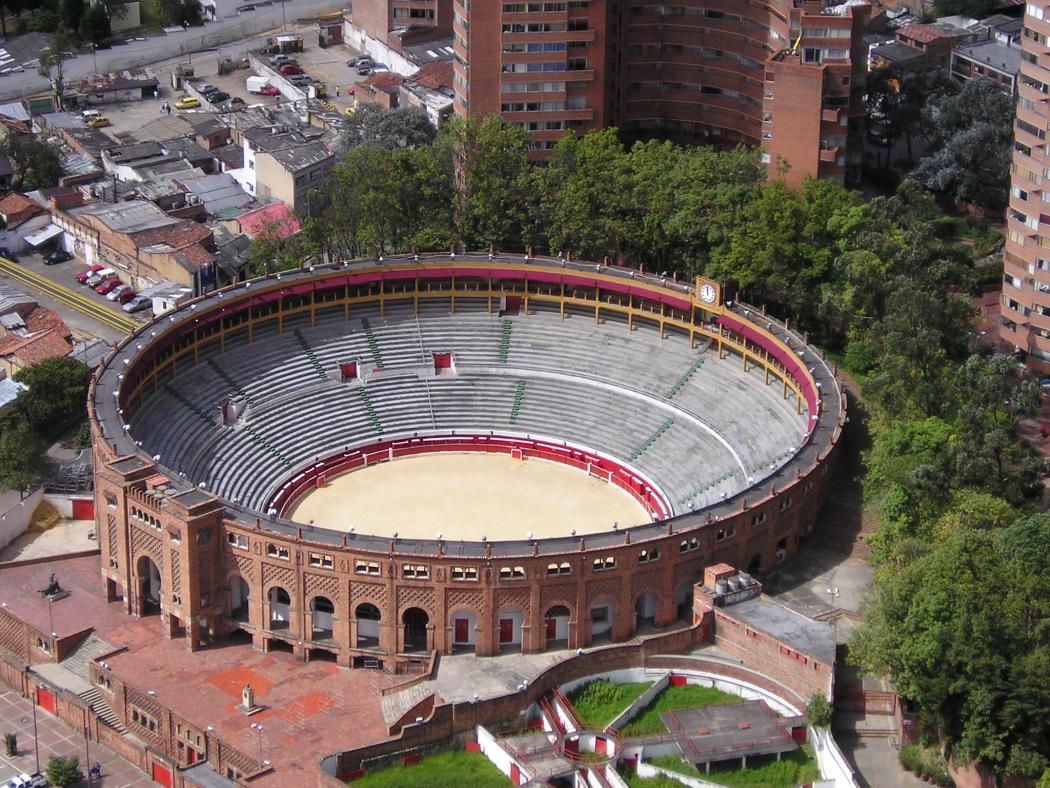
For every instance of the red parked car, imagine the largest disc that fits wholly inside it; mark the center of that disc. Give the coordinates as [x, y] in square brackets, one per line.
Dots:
[91, 269]
[270, 90]
[106, 285]
[288, 69]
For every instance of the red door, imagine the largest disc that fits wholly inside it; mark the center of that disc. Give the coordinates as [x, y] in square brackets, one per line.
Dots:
[506, 630]
[83, 509]
[461, 630]
[45, 699]
[599, 746]
[513, 305]
[161, 775]
[515, 774]
[552, 629]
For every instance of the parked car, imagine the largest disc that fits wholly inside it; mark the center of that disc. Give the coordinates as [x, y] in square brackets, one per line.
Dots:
[206, 88]
[103, 287]
[235, 103]
[280, 60]
[19, 781]
[97, 277]
[352, 62]
[90, 114]
[270, 90]
[6, 253]
[97, 123]
[137, 304]
[218, 97]
[287, 69]
[57, 256]
[365, 66]
[187, 102]
[125, 296]
[91, 270]
[299, 80]
[114, 294]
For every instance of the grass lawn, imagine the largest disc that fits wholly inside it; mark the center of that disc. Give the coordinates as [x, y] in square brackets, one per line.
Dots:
[598, 702]
[648, 721]
[442, 770]
[634, 781]
[796, 768]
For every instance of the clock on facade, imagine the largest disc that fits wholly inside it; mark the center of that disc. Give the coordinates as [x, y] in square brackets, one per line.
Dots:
[708, 293]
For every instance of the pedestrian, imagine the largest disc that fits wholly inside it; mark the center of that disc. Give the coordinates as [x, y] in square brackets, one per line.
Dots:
[337, 91]
[156, 93]
[169, 109]
[96, 770]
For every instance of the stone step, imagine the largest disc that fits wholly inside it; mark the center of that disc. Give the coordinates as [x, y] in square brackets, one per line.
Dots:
[90, 649]
[94, 698]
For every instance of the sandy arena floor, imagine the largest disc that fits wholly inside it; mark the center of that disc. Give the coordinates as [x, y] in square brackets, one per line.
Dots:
[467, 496]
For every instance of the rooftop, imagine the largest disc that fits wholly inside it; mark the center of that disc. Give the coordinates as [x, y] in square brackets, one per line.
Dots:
[12, 298]
[295, 159]
[167, 127]
[430, 51]
[728, 731]
[45, 336]
[815, 638]
[993, 55]
[896, 53]
[275, 218]
[218, 192]
[133, 151]
[386, 81]
[925, 32]
[17, 209]
[126, 217]
[109, 82]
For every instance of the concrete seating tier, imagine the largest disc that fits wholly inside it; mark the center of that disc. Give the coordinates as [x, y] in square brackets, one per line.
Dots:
[697, 426]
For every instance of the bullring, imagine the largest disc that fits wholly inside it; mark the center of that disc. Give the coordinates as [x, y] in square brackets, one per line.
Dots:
[210, 423]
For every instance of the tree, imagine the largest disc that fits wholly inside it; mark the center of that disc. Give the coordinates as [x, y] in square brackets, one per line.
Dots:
[405, 127]
[22, 458]
[975, 9]
[496, 192]
[37, 163]
[972, 146]
[94, 24]
[49, 64]
[64, 772]
[56, 395]
[819, 711]
[71, 13]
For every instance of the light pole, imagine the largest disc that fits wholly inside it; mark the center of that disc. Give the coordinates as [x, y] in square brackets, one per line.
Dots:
[36, 740]
[258, 731]
[87, 747]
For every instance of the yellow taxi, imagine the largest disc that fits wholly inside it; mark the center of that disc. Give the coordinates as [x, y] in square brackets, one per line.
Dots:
[97, 123]
[350, 110]
[187, 102]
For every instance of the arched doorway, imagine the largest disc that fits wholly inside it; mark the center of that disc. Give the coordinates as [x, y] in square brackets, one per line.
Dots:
[149, 586]
[239, 594]
[464, 624]
[415, 620]
[645, 609]
[322, 613]
[509, 623]
[755, 565]
[368, 618]
[556, 625]
[683, 600]
[601, 622]
[280, 607]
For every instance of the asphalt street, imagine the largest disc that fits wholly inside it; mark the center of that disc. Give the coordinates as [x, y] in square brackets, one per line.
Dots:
[230, 26]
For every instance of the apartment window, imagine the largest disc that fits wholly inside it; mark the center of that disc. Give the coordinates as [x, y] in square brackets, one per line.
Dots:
[366, 568]
[322, 560]
[511, 573]
[559, 569]
[602, 564]
[725, 533]
[1019, 193]
[1034, 11]
[810, 55]
[1027, 104]
[415, 571]
[1027, 127]
[465, 573]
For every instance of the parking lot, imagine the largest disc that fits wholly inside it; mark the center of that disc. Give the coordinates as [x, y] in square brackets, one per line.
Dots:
[63, 275]
[324, 65]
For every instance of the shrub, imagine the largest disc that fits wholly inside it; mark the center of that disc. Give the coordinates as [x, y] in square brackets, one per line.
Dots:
[10, 745]
[819, 711]
[911, 759]
[64, 772]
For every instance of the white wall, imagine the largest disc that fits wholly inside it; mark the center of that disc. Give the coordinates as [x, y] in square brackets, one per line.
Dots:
[833, 764]
[472, 623]
[518, 618]
[648, 770]
[561, 627]
[379, 52]
[15, 514]
[597, 627]
[501, 758]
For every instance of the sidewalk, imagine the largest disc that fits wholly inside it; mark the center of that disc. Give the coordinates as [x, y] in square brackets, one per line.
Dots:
[57, 738]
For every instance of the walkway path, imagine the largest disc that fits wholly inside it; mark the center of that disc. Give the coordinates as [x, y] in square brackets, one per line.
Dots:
[57, 738]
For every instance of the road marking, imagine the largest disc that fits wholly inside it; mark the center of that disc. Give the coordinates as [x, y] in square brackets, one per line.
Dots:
[68, 297]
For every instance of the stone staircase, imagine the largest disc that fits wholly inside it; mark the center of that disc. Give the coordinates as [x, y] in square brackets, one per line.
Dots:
[90, 649]
[94, 698]
[76, 662]
[396, 704]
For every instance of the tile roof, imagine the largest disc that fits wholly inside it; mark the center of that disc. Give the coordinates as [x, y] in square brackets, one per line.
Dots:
[274, 218]
[45, 336]
[17, 209]
[434, 75]
[925, 33]
[386, 81]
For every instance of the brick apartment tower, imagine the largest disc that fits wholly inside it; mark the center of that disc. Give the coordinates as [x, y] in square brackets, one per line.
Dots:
[403, 22]
[1025, 301]
[785, 74]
